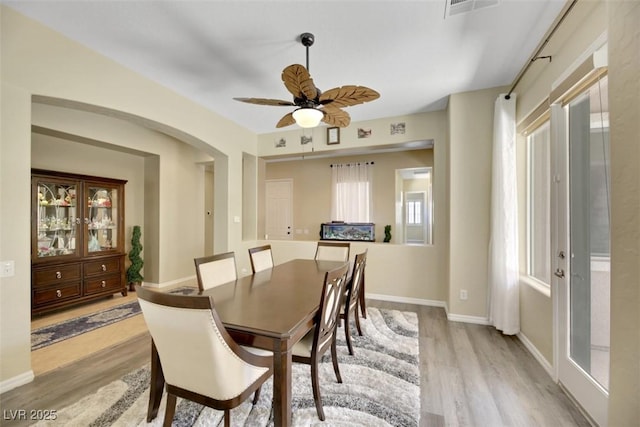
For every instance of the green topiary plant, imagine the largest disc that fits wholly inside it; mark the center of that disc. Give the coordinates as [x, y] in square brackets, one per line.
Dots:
[387, 233]
[133, 272]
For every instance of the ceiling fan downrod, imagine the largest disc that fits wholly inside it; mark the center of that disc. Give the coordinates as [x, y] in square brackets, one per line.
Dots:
[307, 40]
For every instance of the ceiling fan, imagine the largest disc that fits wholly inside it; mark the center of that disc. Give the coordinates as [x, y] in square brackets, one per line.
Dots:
[313, 105]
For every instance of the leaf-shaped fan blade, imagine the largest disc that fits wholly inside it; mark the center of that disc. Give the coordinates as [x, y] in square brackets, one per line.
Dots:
[287, 120]
[297, 80]
[346, 96]
[265, 101]
[336, 117]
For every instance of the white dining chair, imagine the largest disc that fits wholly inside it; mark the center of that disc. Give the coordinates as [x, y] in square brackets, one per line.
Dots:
[332, 251]
[214, 270]
[261, 258]
[200, 360]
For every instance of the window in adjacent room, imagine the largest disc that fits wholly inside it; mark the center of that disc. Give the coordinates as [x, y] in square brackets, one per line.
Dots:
[414, 212]
[538, 201]
[351, 192]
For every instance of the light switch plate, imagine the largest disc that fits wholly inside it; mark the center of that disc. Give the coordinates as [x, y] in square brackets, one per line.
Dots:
[8, 268]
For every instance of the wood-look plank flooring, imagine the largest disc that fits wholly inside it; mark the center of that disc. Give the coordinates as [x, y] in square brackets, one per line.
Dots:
[471, 375]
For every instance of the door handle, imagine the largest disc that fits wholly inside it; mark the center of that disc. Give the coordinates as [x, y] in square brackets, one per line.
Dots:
[559, 273]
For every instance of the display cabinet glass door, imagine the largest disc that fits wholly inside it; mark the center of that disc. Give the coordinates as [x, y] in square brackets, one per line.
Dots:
[57, 219]
[101, 219]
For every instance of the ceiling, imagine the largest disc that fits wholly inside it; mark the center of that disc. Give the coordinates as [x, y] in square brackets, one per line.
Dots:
[414, 53]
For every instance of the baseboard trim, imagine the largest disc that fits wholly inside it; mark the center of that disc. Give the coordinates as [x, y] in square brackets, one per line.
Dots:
[185, 281]
[536, 354]
[16, 381]
[467, 319]
[406, 300]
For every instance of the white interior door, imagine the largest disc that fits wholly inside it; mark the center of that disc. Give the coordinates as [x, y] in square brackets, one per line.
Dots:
[278, 209]
[581, 248]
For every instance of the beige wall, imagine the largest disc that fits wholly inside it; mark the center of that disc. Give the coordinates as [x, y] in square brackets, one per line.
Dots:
[419, 127]
[312, 187]
[624, 103]
[106, 146]
[38, 61]
[470, 144]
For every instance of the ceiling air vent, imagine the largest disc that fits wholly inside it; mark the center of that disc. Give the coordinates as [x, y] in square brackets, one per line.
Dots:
[457, 7]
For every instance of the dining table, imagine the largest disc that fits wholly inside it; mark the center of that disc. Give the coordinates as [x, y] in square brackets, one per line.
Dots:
[271, 310]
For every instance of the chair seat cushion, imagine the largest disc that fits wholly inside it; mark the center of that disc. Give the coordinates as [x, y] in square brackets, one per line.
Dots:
[258, 351]
[303, 347]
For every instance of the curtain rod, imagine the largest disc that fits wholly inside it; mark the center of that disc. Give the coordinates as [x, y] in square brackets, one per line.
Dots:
[535, 56]
[352, 164]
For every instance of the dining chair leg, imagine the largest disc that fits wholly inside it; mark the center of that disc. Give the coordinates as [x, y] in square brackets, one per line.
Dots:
[357, 318]
[347, 331]
[170, 410]
[227, 418]
[256, 396]
[361, 299]
[334, 359]
[316, 389]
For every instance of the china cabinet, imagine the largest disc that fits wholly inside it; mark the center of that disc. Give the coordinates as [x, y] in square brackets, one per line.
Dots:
[77, 239]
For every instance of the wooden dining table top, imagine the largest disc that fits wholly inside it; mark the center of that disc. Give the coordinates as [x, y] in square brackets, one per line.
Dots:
[273, 302]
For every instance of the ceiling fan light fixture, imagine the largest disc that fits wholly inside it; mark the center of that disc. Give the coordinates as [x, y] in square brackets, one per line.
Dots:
[307, 117]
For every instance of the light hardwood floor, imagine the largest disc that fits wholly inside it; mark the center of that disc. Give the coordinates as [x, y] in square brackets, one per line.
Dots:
[471, 375]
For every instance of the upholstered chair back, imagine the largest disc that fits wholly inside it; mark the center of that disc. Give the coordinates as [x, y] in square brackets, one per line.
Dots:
[215, 270]
[326, 251]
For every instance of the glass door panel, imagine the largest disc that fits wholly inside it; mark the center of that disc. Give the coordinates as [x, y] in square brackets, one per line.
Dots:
[102, 219]
[57, 219]
[589, 234]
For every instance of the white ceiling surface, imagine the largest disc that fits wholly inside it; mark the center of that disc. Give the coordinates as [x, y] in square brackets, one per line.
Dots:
[213, 51]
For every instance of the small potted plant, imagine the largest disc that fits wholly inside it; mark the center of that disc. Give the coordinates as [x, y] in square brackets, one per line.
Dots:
[387, 233]
[133, 272]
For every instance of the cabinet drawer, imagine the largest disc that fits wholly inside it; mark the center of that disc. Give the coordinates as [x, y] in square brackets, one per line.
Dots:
[56, 293]
[56, 274]
[103, 266]
[103, 284]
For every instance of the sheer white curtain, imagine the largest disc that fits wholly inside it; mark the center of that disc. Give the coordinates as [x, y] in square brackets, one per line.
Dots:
[503, 244]
[351, 192]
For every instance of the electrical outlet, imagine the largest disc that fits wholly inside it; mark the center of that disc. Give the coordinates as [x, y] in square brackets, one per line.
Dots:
[8, 268]
[463, 294]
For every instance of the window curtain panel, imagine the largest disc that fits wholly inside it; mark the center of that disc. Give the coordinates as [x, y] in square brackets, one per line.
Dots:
[351, 192]
[504, 304]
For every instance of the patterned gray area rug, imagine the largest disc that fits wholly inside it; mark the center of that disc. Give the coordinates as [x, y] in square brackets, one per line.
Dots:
[52, 334]
[381, 387]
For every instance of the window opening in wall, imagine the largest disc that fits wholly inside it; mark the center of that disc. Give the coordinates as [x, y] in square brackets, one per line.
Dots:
[352, 192]
[414, 206]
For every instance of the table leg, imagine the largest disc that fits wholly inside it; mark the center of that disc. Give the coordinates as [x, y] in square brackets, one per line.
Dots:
[157, 384]
[282, 388]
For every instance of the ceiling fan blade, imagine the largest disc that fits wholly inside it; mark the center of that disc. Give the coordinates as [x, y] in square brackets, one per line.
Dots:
[336, 117]
[287, 120]
[265, 101]
[297, 80]
[346, 96]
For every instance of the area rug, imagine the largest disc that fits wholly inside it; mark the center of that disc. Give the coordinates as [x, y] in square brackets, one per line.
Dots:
[381, 387]
[61, 331]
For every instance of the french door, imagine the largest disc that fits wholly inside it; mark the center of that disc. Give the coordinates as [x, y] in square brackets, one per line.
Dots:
[581, 256]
